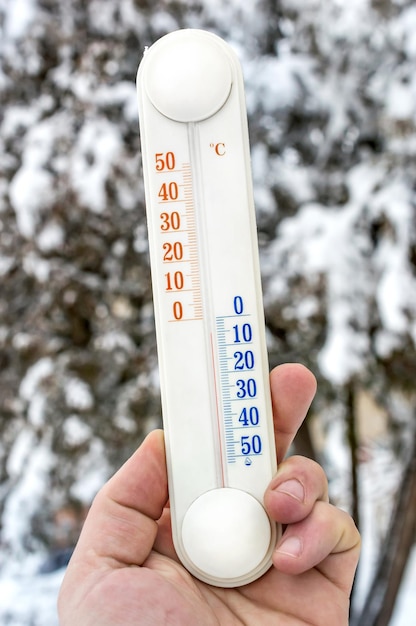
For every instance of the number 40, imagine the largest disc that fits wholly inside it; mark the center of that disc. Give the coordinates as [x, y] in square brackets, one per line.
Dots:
[249, 417]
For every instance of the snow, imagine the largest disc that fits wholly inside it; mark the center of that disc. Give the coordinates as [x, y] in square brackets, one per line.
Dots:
[379, 479]
[34, 377]
[78, 395]
[97, 150]
[51, 237]
[40, 595]
[273, 82]
[114, 340]
[404, 30]
[19, 453]
[30, 191]
[315, 235]
[123, 94]
[17, 118]
[36, 410]
[405, 608]
[395, 292]
[6, 264]
[35, 459]
[93, 471]
[19, 18]
[400, 104]
[293, 176]
[76, 432]
[36, 266]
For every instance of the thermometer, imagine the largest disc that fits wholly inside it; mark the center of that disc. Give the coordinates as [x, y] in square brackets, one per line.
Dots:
[209, 316]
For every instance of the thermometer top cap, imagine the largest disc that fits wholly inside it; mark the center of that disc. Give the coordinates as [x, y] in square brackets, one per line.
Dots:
[188, 77]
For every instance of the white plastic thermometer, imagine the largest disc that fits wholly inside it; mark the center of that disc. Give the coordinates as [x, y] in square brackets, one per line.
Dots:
[208, 306]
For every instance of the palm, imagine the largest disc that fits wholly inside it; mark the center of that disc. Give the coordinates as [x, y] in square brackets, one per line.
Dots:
[162, 592]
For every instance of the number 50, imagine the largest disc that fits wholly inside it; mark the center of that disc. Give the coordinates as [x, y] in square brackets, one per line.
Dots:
[251, 445]
[165, 161]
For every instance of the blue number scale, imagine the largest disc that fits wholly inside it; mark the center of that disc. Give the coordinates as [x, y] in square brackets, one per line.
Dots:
[209, 317]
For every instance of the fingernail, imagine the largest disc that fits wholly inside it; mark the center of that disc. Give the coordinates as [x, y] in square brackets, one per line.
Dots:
[292, 488]
[292, 546]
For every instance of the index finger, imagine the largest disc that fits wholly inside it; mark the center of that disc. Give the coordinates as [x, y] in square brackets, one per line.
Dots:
[293, 388]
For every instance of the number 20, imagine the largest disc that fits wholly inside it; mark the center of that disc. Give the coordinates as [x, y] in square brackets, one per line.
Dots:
[244, 360]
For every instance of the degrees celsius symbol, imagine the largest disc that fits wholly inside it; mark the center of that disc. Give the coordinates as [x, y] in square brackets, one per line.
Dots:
[208, 306]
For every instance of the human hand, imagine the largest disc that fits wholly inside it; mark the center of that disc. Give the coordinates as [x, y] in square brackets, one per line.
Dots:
[125, 572]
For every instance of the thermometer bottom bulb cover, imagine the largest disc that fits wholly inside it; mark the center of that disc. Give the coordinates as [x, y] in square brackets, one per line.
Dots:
[226, 534]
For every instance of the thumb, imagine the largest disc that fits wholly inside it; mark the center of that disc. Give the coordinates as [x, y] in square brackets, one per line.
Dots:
[121, 525]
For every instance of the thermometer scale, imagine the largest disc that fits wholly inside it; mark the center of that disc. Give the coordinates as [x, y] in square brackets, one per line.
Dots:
[209, 317]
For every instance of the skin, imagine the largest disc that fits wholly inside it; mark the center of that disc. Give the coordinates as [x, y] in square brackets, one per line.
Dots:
[124, 570]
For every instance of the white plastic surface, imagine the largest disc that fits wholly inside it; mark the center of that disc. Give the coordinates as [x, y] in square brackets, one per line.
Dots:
[214, 372]
[226, 533]
[189, 81]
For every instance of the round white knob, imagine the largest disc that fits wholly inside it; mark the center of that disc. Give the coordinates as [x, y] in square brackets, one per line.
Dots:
[188, 81]
[226, 533]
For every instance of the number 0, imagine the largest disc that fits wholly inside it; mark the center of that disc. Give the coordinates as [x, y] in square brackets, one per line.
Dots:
[238, 305]
[177, 310]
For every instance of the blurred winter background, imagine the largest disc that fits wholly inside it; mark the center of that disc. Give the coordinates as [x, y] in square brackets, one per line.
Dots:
[331, 96]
